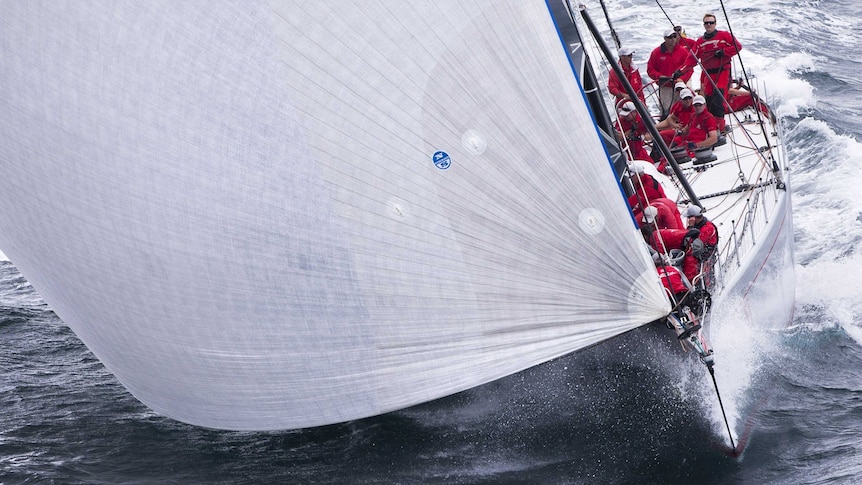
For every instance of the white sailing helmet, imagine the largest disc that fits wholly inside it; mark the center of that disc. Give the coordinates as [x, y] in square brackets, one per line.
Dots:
[649, 214]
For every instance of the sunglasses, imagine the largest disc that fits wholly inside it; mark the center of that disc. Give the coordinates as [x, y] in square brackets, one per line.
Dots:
[709, 23]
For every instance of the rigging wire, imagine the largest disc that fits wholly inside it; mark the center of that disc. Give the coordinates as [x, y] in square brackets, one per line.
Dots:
[608, 18]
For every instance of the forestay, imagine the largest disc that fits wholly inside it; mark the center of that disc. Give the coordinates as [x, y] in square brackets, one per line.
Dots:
[236, 206]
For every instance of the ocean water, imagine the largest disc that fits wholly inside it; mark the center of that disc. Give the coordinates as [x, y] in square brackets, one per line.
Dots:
[609, 416]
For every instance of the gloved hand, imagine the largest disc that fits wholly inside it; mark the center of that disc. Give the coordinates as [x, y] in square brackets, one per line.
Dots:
[719, 54]
[692, 233]
[698, 250]
[677, 73]
[690, 145]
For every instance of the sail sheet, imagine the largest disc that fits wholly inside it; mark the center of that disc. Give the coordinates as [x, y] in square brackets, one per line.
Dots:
[270, 215]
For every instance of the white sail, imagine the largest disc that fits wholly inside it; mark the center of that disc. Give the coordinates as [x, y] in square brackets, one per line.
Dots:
[236, 206]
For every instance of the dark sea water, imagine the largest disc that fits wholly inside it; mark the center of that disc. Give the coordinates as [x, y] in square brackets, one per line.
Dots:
[606, 416]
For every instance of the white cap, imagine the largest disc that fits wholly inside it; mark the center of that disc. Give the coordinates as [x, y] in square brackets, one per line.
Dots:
[685, 94]
[623, 51]
[636, 167]
[691, 210]
[627, 108]
[679, 85]
[699, 100]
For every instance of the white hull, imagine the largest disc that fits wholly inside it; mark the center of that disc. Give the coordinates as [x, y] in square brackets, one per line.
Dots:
[755, 262]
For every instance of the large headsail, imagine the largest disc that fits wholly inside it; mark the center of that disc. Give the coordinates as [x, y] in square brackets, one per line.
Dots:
[287, 214]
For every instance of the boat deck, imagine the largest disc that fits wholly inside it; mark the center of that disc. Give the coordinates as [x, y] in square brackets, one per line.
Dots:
[743, 191]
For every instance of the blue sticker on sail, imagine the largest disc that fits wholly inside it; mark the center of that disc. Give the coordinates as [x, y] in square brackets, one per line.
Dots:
[442, 160]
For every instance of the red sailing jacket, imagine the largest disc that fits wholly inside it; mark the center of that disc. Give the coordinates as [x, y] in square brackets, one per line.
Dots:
[682, 112]
[739, 102]
[700, 125]
[668, 214]
[663, 63]
[672, 239]
[649, 190]
[721, 41]
[671, 279]
[615, 86]
[708, 232]
[634, 131]
[716, 69]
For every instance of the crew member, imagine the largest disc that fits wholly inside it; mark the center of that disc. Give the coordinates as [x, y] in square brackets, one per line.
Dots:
[667, 64]
[663, 213]
[615, 86]
[647, 188]
[676, 284]
[715, 49]
[702, 129]
[708, 231]
[631, 126]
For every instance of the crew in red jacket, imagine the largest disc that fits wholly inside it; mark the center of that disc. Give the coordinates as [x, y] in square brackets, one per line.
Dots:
[680, 116]
[663, 240]
[646, 188]
[676, 284]
[615, 86]
[686, 240]
[667, 64]
[708, 231]
[633, 129]
[702, 129]
[663, 213]
[683, 109]
[715, 49]
[740, 97]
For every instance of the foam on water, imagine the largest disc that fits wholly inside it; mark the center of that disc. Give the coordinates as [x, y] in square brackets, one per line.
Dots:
[834, 290]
